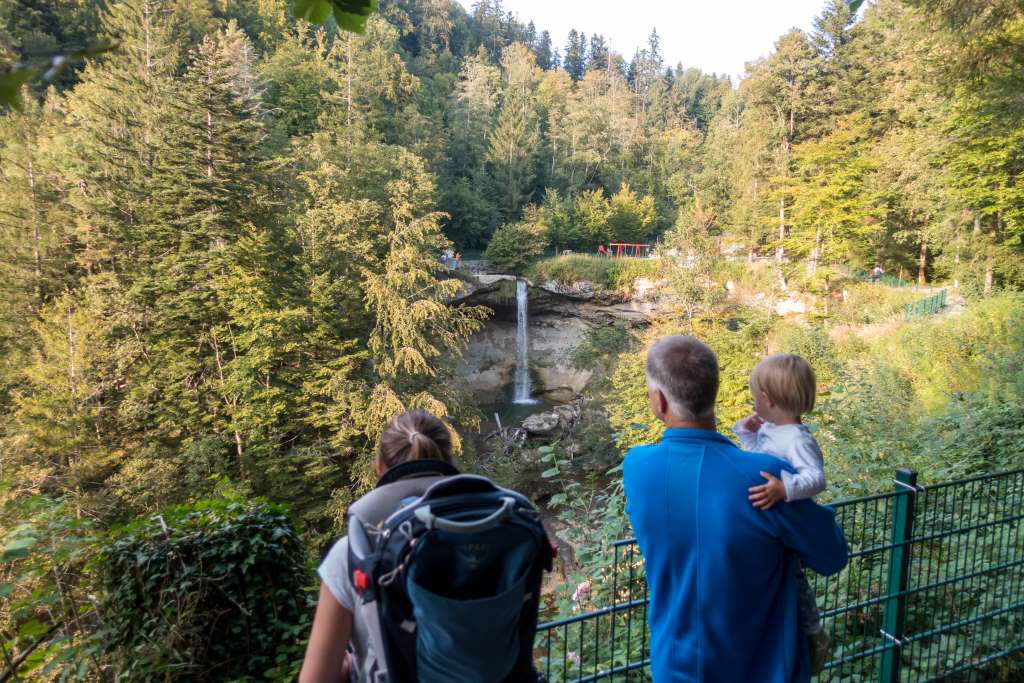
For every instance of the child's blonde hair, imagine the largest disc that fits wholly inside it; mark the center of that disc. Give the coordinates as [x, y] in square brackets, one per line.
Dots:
[788, 380]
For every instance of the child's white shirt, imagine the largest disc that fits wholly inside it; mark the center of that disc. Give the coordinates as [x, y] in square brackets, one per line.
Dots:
[794, 444]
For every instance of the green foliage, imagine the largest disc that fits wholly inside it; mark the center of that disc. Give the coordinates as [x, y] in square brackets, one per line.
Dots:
[226, 566]
[515, 246]
[601, 345]
[863, 303]
[942, 396]
[350, 15]
[219, 252]
[631, 218]
[616, 275]
[47, 612]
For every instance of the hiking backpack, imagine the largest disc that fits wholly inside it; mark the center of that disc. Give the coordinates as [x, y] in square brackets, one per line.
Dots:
[448, 570]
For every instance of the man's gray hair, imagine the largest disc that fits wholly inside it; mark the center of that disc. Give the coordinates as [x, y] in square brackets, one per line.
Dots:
[685, 369]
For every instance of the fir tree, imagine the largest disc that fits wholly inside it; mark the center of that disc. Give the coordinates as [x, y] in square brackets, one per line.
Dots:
[575, 60]
[543, 51]
[598, 53]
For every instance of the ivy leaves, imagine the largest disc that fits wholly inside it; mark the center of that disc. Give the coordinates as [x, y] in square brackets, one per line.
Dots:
[350, 15]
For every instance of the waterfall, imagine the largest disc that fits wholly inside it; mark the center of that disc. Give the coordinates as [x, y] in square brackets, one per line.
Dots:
[522, 388]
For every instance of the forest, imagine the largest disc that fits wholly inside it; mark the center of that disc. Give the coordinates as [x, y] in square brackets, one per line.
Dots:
[221, 276]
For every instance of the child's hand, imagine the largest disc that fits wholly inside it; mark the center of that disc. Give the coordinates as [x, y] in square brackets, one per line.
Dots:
[753, 422]
[766, 495]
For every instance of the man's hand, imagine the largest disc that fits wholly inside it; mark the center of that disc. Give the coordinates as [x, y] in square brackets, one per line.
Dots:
[766, 495]
[752, 422]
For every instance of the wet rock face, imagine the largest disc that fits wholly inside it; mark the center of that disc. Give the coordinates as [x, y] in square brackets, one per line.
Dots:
[489, 364]
[559, 322]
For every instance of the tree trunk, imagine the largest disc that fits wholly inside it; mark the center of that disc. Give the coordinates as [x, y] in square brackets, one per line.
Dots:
[781, 251]
[37, 252]
[348, 74]
[812, 262]
[209, 144]
[228, 401]
[922, 263]
[956, 258]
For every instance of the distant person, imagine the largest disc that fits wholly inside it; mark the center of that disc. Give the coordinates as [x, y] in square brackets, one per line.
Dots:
[721, 572]
[784, 389]
[458, 260]
[876, 273]
[601, 251]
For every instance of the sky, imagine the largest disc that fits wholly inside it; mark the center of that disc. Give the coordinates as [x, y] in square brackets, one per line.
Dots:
[717, 36]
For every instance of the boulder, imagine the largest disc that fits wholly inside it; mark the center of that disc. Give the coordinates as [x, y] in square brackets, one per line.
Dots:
[566, 414]
[542, 424]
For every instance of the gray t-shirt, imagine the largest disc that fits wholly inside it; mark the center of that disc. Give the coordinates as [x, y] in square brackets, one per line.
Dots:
[333, 572]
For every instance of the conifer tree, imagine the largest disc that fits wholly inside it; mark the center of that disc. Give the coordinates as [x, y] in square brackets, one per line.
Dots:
[575, 59]
[598, 53]
[515, 139]
[545, 55]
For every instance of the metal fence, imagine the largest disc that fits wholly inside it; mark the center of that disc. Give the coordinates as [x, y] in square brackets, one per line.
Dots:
[932, 592]
[927, 306]
[889, 280]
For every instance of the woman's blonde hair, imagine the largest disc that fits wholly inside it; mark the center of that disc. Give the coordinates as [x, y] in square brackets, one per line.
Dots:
[415, 435]
[788, 380]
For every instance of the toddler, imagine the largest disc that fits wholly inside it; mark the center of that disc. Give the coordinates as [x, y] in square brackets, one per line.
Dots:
[784, 388]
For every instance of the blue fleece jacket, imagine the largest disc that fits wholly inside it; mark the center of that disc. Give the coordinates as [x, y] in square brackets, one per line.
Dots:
[721, 573]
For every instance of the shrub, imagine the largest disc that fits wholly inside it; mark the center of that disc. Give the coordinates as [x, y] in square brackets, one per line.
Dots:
[871, 303]
[205, 592]
[515, 246]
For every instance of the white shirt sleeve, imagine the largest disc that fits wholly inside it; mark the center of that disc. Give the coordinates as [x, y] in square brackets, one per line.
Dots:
[804, 454]
[333, 572]
[746, 437]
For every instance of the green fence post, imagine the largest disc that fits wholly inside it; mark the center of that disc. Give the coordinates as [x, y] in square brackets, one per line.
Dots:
[899, 567]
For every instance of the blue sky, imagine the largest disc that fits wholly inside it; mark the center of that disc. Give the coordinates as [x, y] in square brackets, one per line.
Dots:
[715, 35]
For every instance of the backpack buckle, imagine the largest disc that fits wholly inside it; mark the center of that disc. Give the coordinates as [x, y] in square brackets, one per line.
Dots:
[360, 580]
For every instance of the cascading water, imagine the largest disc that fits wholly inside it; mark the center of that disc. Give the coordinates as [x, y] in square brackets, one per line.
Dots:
[522, 385]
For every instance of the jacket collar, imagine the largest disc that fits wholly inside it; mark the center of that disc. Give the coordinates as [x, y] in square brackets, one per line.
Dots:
[695, 435]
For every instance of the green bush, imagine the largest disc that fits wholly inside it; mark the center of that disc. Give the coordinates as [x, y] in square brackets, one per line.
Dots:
[205, 592]
[515, 246]
[865, 303]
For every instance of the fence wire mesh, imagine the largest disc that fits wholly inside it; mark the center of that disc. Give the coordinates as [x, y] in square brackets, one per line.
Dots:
[932, 592]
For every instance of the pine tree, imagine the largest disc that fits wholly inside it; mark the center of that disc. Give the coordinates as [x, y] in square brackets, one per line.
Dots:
[575, 61]
[467, 192]
[545, 57]
[115, 117]
[598, 53]
[515, 140]
[213, 275]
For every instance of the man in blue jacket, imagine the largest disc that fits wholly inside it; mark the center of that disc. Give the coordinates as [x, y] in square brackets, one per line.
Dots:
[721, 573]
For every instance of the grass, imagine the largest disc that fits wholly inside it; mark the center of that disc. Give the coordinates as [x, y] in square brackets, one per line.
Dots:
[608, 274]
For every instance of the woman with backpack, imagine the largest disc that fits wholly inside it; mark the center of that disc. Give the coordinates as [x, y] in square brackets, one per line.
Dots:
[383, 608]
[415, 435]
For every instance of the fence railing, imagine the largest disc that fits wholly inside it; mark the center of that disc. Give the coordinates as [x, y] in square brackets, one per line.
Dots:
[890, 280]
[927, 306]
[932, 592]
